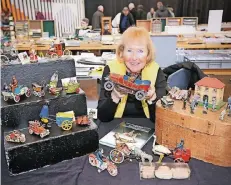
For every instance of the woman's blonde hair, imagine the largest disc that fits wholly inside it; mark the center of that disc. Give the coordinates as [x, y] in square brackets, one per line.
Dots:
[135, 33]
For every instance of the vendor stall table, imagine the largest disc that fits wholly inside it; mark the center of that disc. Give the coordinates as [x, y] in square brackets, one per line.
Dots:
[79, 171]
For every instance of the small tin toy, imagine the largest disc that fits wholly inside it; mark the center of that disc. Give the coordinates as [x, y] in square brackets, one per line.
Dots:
[16, 137]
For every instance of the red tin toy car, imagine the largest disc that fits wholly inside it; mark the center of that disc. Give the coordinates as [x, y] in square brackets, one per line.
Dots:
[16, 137]
[127, 84]
[36, 128]
[83, 120]
[180, 154]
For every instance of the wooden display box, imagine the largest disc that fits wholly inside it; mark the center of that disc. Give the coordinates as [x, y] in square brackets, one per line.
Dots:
[205, 135]
[147, 24]
[106, 25]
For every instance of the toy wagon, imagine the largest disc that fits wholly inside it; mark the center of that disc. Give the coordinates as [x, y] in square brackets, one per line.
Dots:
[38, 90]
[18, 92]
[71, 87]
[65, 120]
[128, 84]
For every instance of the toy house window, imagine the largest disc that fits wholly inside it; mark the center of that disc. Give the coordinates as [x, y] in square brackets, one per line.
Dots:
[198, 88]
[206, 89]
[214, 90]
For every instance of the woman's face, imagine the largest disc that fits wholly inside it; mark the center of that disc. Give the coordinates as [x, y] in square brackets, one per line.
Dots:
[135, 56]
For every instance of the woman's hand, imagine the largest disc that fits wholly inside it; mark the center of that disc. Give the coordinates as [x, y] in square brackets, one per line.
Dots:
[116, 95]
[151, 95]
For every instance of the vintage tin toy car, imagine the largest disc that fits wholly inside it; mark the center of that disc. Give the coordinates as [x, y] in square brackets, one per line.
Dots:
[71, 87]
[35, 127]
[166, 102]
[100, 161]
[127, 84]
[83, 120]
[181, 154]
[16, 137]
[38, 90]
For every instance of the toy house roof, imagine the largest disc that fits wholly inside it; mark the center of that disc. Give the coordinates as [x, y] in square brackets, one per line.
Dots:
[210, 82]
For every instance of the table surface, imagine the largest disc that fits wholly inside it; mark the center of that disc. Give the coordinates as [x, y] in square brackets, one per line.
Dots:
[79, 171]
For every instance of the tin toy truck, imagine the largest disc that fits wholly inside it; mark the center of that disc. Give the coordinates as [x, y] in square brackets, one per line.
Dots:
[16, 137]
[100, 161]
[127, 84]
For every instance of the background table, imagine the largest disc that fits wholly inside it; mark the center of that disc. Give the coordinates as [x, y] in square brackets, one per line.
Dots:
[79, 171]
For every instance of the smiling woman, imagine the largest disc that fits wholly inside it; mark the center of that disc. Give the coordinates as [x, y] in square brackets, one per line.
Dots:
[135, 58]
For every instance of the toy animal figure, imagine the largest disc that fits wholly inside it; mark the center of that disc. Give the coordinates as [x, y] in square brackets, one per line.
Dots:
[222, 115]
[160, 150]
[138, 152]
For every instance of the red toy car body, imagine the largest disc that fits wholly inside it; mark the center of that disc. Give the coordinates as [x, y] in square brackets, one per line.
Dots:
[182, 155]
[36, 128]
[16, 136]
[128, 84]
[83, 120]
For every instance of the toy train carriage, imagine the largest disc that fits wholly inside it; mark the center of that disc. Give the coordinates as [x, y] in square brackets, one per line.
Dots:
[65, 120]
[129, 84]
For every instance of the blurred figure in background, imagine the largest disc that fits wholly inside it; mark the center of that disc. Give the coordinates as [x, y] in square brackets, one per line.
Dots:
[116, 21]
[162, 11]
[170, 9]
[141, 14]
[126, 20]
[96, 18]
[39, 15]
[151, 14]
[132, 10]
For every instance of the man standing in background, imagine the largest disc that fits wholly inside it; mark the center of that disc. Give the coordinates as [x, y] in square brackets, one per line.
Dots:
[162, 11]
[39, 15]
[96, 18]
[132, 10]
[126, 20]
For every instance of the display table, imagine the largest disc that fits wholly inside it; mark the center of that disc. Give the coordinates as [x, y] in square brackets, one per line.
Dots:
[79, 171]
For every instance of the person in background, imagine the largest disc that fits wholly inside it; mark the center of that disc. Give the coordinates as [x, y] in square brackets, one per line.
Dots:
[170, 9]
[6, 13]
[132, 10]
[96, 18]
[116, 21]
[84, 23]
[135, 57]
[151, 14]
[85, 28]
[141, 14]
[39, 15]
[126, 20]
[162, 10]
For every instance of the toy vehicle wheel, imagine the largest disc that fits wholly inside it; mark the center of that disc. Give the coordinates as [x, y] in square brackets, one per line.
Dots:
[31, 131]
[17, 98]
[140, 95]
[28, 93]
[92, 160]
[112, 169]
[66, 125]
[4, 60]
[41, 135]
[116, 156]
[42, 93]
[22, 139]
[7, 138]
[66, 52]
[108, 86]
[54, 55]
[5, 98]
[179, 160]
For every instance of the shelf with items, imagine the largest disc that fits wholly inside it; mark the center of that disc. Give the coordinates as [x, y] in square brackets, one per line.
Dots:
[8, 27]
[106, 25]
[35, 28]
[22, 29]
[190, 21]
[174, 21]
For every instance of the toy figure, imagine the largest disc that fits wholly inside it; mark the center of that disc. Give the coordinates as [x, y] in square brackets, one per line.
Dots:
[33, 56]
[180, 145]
[206, 105]
[189, 94]
[14, 83]
[184, 103]
[44, 114]
[6, 87]
[139, 153]
[222, 115]
[99, 156]
[54, 80]
[213, 103]
[229, 106]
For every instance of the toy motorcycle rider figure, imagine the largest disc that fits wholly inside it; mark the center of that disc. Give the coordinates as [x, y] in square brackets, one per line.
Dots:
[14, 83]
